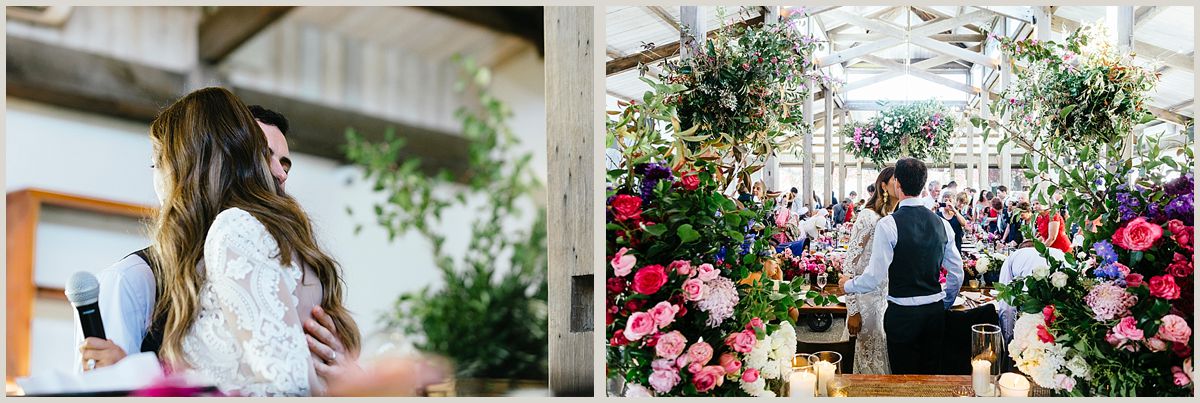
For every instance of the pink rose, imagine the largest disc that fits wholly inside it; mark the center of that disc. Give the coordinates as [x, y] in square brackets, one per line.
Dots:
[706, 272]
[1127, 329]
[756, 323]
[681, 267]
[694, 367]
[1133, 280]
[1064, 382]
[742, 341]
[730, 363]
[1122, 268]
[622, 264]
[693, 290]
[663, 381]
[1137, 235]
[639, 325]
[1181, 266]
[1181, 378]
[700, 353]
[664, 313]
[1181, 233]
[750, 375]
[1174, 328]
[1112, 339]
[649, 279]
[663, 364]
[671, 345]
[1155, 344]
[708, 378]
[1164, 287]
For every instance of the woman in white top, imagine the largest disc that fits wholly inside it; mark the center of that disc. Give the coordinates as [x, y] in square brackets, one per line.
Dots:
[233, 308]
[864, 312]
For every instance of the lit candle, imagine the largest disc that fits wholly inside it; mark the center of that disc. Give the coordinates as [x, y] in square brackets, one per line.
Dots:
[1013, 385]
[803, 384]
[981, 377]
[825, 372]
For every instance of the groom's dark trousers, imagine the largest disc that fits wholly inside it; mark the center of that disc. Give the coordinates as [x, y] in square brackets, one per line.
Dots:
[914, 334]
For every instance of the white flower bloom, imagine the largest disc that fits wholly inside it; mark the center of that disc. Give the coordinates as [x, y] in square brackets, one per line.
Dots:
[770, 371]
[1058, 279]
[981, 265]
[1040, 272]
[635, 390]
[1079, 368]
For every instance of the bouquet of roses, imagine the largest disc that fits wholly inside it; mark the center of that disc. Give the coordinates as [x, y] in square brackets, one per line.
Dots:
[1117, 319]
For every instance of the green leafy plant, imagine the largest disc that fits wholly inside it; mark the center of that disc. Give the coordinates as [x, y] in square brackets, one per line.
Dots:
[489, 315]
[920, 130]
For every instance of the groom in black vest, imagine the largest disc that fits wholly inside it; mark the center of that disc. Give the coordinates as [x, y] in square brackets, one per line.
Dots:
[909, 249]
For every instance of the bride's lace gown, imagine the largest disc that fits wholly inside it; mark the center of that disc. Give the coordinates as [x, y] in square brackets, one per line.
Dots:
[870, 350]
[247, 336]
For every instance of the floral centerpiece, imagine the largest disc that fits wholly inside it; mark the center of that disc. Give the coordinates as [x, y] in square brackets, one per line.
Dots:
[920, 130]
[1115, 317]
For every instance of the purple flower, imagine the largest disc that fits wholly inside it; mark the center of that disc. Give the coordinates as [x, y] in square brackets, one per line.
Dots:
[1104, 250]
[1127, 205]
[1181, 208]
[651, 174]
[1180, 186]
[1108, 271]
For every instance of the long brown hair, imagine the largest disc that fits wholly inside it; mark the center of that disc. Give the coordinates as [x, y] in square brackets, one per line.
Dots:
[881, 202]
[214, 157]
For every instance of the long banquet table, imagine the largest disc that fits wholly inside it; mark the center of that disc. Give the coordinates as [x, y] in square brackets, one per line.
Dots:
[916, 386]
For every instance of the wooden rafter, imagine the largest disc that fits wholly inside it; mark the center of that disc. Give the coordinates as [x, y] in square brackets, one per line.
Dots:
[76, 79]
[915, 70]
[1173, 59]
[664, 16]
[663, 52]
[1146, 13]
[229, 27]
[917, 36]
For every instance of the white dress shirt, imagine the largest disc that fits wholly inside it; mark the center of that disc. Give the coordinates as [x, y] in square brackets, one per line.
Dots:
[126, 303]
[1019, 264]
[883, 243]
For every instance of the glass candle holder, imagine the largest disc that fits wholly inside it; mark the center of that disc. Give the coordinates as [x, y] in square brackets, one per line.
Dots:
[803, 380]
[828, 365]
[839, 387]
[987, 351]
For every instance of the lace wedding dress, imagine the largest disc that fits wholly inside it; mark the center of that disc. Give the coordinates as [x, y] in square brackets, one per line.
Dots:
[247, 338]
[870, 350]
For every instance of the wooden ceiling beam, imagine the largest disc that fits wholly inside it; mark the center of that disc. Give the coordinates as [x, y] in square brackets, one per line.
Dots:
[524, 22]
[79, 80]
[663, 52]
[227, 29]
[664, 16]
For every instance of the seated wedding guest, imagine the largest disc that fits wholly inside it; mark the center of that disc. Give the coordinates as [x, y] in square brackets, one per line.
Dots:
[127, 291]
[1019, 264]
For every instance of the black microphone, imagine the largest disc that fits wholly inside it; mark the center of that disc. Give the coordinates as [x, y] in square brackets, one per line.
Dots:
[83, 290]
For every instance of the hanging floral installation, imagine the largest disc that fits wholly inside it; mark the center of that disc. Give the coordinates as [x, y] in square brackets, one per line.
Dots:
[921, 130]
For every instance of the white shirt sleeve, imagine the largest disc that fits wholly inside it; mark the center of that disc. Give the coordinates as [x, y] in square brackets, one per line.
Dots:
[882, 245]
[952, 262]
[126, 301]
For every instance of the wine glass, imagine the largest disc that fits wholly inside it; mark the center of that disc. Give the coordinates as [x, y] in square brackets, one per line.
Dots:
[822, 281]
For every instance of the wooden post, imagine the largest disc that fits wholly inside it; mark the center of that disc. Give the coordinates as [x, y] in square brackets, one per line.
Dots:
[986, 114]
[827, 166]
[694, 29]
[1125, 44]
[806, 179]
[771, 169]
[572, 202]
[1005, 81]
[1043, 16]
[843, 118]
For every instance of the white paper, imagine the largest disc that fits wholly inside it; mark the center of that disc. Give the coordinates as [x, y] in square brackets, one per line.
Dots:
[133, 372]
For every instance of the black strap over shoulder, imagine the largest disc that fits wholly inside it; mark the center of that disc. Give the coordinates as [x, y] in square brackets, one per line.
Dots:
[153, 339]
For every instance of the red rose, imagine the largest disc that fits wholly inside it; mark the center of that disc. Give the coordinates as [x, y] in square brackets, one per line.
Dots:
[1044, 335]
[1181, 349]
[1137, 235]
[616, 285]
[625, 207]
[1048, 314]
[1133, 280]
[649, 279]
[1181, 267]
[690, 181]
[1164, 287]
[1181, 233]
[635, 305]
[618, 338]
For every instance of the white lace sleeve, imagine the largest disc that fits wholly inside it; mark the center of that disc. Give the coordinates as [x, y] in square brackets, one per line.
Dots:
[858, 253]
[249, 332]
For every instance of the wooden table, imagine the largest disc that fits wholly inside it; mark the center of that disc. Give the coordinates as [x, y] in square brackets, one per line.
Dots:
[916, 386]
[840, 309]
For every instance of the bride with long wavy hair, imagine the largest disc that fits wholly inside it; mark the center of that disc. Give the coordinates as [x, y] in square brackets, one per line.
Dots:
[864, 312]
[237, 258]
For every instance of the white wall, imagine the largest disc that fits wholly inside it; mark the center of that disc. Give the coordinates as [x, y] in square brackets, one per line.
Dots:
[67, 151]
